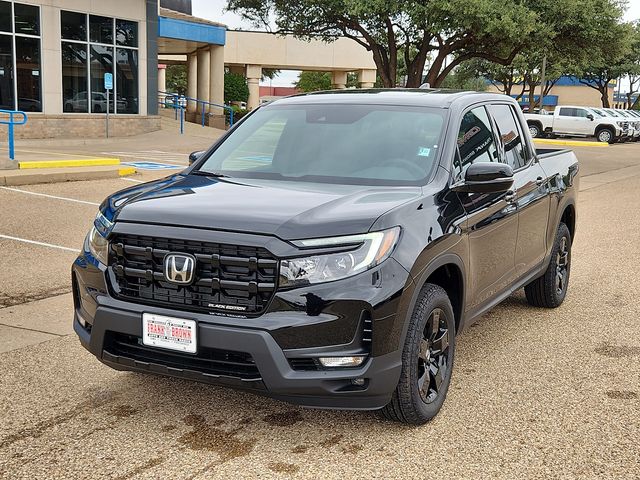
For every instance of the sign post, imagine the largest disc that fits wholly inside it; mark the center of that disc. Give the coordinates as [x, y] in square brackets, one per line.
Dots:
[108, 86]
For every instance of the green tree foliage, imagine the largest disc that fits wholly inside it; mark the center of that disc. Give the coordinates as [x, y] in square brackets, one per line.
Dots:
[318, 81]
[614, 54]
[313, 81]
[415, 32]
[465, 77]
[176, 79]
[269, 73]
[235, 88]
[583, 33]
[411, 30]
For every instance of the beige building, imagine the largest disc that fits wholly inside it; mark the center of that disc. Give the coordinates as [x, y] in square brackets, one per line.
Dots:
[53, 57]
[57, 58]
[566, 91]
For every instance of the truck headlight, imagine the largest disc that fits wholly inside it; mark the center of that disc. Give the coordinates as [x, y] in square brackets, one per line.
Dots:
[98, 245]
[97, 238]
[367, 251]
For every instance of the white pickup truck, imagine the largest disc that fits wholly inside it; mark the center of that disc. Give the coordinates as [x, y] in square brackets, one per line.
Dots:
[577, 121]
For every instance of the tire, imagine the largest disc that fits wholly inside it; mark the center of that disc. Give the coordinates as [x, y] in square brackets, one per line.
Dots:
[606, 135]
[550, 290]
[535, 130]
[425, 345]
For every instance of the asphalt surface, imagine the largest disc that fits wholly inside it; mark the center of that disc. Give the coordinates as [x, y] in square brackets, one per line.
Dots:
[535, 393]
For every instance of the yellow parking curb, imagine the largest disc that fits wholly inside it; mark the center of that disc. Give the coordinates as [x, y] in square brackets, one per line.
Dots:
[126, 171]
[570, 143]
[80, 162]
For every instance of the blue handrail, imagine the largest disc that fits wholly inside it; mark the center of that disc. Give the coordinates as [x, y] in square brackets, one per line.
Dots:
[182, 100]
[10, 122]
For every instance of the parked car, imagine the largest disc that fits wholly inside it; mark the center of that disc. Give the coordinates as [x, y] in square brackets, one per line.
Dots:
[576, 121]
[634, 123]
[614, 117]
[78, 103]
[330, 247]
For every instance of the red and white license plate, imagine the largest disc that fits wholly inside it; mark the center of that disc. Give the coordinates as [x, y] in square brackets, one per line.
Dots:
[169, 332]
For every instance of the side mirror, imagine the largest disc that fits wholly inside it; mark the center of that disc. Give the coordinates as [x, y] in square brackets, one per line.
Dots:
[491, 177]
[590, 117]
[193, 156]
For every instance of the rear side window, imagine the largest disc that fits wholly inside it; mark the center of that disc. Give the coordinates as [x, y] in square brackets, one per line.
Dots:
[476, 141]
[568, 112]
[511, 139]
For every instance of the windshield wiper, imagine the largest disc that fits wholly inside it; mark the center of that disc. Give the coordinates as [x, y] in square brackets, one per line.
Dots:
[204, 173]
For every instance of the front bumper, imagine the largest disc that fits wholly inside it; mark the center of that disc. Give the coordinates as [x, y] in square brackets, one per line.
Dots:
[299, 326]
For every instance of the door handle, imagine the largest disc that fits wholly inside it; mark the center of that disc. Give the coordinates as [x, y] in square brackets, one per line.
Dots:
[539, 181]
[510, 196]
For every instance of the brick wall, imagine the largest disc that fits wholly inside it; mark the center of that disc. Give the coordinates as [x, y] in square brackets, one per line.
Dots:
[82, 126]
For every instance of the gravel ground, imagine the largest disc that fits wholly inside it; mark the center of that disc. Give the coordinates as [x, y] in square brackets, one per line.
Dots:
[535, 393]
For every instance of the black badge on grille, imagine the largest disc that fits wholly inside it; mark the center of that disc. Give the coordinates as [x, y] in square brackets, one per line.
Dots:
[179, 268]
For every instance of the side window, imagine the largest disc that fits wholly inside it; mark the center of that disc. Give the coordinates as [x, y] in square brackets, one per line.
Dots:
[476, 141]
[567, 112]
[581, 112]
[511, 138]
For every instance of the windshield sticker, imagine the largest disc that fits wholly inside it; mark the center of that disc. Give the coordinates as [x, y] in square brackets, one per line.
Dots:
[423, 151]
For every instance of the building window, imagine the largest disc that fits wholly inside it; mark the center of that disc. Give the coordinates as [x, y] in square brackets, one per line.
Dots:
[91, 46]
[20, 59]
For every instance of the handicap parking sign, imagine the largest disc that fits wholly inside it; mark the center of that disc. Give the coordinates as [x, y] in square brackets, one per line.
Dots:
[108, 81]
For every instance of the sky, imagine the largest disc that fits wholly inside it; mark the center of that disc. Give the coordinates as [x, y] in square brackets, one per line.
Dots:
[214, 10]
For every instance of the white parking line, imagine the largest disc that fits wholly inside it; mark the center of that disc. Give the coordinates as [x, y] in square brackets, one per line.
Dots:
[42, 244]
[132, 180]
[50, 196]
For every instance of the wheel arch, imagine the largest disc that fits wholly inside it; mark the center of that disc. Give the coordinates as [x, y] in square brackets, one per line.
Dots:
[448, 272]
[568, 217]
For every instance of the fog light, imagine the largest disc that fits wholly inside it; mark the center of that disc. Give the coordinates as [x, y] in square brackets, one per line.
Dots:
[341, 361]
[358, 382]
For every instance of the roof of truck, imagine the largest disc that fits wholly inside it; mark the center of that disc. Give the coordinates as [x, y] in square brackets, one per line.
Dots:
[428, 97]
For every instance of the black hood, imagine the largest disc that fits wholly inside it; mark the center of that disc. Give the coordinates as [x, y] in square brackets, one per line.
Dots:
[288, 210]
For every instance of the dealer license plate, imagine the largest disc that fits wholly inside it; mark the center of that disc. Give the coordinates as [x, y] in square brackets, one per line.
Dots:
[168, 332]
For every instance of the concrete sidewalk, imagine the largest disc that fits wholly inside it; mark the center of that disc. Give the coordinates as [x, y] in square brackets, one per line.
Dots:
[166, 145]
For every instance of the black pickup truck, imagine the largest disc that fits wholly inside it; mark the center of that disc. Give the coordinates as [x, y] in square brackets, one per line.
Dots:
[329, 248]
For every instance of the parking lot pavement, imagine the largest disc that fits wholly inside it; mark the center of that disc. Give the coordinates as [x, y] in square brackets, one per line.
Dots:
[535, 393]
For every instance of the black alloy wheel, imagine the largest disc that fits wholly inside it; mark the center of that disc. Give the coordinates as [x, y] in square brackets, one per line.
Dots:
[433, 356]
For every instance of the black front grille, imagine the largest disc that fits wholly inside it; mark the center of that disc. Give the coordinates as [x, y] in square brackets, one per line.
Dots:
[303, 363]
[228, 278]
[209, 361]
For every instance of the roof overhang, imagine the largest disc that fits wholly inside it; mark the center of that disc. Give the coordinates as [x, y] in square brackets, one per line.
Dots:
[181, 36]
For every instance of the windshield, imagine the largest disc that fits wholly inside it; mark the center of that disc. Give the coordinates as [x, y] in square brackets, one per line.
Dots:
[600, 113]
[343, 144]
[612, 113]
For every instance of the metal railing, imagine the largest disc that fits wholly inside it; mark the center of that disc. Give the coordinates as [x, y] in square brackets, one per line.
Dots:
[10, 122]
[179, 103]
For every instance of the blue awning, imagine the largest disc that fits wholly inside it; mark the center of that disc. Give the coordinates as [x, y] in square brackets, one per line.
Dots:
[549, 100]
[191, 31]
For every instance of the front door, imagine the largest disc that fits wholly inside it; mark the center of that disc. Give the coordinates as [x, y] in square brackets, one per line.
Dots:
[492, 225]
[529, 189]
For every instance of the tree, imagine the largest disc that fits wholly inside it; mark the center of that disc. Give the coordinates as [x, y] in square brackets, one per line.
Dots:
[269, 73]
[632, 65]
[465, 77]
[313, 81]
[608, 61]
[235, 88]
[412, 30]
[176, 79]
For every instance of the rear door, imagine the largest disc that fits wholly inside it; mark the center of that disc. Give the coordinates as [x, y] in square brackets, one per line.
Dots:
[530, 188]
[492, 225]
[564, 120]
